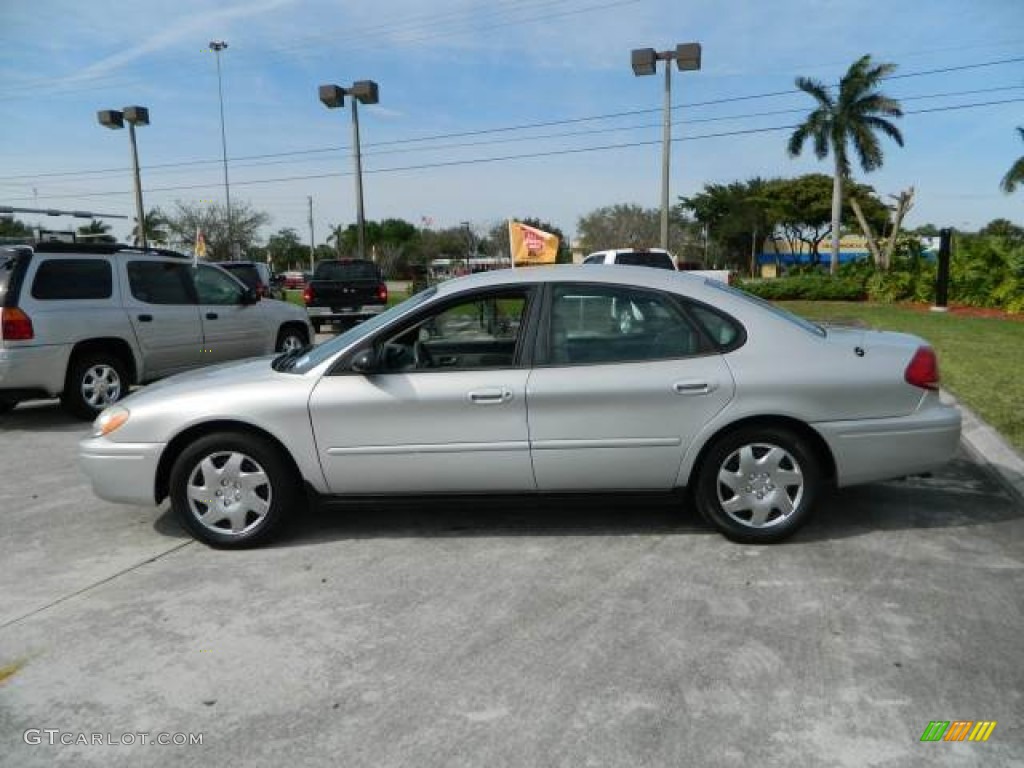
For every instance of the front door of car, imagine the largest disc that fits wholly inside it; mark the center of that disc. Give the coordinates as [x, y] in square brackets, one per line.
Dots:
[161, 307]
[444, 409]
[622, 385]
[232, 328]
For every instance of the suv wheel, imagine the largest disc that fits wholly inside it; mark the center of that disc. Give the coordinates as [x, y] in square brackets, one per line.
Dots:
[290, 339]
[232, 490]
[94, 381]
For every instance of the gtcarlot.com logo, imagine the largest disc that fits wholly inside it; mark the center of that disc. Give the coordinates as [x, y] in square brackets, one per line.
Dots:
[958, 730]
[57, 737]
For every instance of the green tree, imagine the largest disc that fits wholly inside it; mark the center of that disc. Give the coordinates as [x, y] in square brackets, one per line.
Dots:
[155, 226]
[187, 218]
[14, 228]
[848, 121]
[287, 250]
[630, 226]
[96, 231]
[735, 218]
[1015, 175]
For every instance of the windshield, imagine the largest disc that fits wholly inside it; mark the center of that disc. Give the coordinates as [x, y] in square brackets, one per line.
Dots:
[796, 320]
[311, 357]
[346, 270]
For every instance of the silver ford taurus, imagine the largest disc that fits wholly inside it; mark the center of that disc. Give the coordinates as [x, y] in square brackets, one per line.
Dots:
[547, 380]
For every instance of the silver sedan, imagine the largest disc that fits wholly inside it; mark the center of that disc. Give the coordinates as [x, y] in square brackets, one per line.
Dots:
[547, 380]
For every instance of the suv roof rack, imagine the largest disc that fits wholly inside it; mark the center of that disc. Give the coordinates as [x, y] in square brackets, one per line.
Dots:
[104, 249]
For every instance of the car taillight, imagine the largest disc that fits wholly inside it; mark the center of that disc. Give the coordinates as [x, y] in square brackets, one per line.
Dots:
[923, 369]
[308, 294]
[15, 325]
[382, 292]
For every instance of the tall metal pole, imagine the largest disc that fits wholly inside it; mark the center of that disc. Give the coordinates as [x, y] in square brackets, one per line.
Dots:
[360, 222]
[666, 133]
[312, 249]
[218, 46]
[139, 215]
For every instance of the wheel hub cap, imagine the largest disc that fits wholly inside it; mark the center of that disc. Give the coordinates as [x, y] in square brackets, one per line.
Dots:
[760, 485]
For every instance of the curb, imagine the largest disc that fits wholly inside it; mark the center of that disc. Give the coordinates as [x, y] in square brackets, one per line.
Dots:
[988, 445]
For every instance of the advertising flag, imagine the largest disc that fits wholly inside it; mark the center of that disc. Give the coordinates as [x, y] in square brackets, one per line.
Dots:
[199, 252]
[531, 246]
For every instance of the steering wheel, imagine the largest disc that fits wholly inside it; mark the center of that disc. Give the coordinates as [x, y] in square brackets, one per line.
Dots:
[421, 355]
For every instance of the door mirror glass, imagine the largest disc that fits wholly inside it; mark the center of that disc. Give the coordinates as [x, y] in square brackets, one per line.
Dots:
[365, 361]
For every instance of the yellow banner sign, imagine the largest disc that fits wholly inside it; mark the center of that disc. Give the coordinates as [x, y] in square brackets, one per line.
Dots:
[531, 246]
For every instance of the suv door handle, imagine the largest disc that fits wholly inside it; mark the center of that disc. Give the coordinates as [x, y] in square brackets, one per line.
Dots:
[490, 396]
[694, 387]
[211, 315]
[145, 318]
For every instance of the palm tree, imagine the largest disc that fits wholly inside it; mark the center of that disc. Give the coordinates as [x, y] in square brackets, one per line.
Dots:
[154, 224]
[338, 237]
[1015, 175]
[848, 120]
[94, 228]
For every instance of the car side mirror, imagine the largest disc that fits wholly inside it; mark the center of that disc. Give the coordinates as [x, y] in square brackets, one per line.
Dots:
[365, 361]
[250, 296]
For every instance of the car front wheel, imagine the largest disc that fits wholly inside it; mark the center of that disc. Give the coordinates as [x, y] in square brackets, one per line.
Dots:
[233, 490]
[757, 485]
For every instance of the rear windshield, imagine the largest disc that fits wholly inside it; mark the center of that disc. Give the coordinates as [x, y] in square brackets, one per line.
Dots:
[244, 272]
[645, 259]
[346, 270]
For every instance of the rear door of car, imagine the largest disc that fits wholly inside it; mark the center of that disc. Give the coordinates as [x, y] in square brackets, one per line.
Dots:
[623, 381]
[445, 411]
[161, 306]
[232, 329]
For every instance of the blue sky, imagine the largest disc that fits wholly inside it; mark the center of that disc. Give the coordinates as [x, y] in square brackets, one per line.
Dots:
[454, 67]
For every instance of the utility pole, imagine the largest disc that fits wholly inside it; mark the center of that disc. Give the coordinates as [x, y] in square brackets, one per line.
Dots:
[312, 249]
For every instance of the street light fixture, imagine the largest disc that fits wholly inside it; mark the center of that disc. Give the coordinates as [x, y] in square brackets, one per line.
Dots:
[333, 96]
[115, 119]
[217, 46]
[644, 61]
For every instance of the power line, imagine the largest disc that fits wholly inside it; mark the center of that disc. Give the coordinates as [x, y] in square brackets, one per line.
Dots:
[522, 156]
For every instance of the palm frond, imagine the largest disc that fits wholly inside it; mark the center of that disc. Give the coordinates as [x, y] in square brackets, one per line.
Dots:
[865, 144]
[883, 125]
[879, 104]
[1014, 176]
[817, 89]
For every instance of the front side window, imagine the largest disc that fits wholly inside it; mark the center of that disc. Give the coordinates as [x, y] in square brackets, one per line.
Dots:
[217, 287]
[611, 324]
[73, 279]
[482, 331]
[160, 282]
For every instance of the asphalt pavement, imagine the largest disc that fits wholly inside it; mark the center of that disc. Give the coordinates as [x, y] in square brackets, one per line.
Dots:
[580, 632]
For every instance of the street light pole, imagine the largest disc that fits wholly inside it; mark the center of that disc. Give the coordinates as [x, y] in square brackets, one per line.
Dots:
[644, 62]
[333, 96]
[115, 119]
[217, 46]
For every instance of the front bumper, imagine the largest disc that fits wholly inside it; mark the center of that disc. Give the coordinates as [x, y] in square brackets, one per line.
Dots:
[881, 449]
[121, 472]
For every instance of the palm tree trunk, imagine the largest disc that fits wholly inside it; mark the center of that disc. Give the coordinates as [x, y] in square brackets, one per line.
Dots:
[837, 207]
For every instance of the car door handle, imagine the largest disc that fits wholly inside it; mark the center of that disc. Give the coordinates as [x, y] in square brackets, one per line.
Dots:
[211, 315]
[694, 387]
[490, 396]
[145, 318]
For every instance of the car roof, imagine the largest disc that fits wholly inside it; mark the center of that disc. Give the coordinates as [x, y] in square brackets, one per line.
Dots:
[644, 277]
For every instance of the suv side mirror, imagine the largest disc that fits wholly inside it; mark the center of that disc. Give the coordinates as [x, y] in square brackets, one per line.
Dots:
[250, 296]
[365, 361]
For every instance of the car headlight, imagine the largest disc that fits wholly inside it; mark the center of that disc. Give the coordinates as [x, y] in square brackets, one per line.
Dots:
[112, 418]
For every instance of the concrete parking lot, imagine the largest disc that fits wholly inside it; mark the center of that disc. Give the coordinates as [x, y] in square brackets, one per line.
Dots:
[593, 632]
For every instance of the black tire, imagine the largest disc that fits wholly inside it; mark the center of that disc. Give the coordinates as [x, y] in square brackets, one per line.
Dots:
[95, 380]
[7, 405]
[776, 477]
[233, 517]
[290, 335]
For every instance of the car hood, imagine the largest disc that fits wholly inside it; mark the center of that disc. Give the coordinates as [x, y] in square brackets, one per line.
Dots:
[249, 371]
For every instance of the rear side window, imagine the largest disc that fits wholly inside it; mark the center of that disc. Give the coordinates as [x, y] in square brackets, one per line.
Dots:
[73, 279]
[347, 270]
[247, 274]
[645, 259]
[160, 282]
[724, 331]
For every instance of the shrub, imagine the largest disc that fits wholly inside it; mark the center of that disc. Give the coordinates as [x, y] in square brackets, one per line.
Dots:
[806, 287]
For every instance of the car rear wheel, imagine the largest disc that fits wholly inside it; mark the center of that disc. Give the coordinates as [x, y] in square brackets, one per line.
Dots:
[233, 490]
[94, 381]
[290, 339]
[757, 485]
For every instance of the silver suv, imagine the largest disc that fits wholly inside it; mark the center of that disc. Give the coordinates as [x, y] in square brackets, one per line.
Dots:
[85, 322]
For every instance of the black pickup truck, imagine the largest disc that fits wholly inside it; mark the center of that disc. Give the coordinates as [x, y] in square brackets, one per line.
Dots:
[344, 291]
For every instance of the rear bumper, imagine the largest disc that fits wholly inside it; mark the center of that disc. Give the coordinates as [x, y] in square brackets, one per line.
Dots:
[121, 472]
[881, 449]
[39, 369]
[327, 314]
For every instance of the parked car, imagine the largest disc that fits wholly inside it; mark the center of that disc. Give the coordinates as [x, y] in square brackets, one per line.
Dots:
[528, 381]
[345, 291]
[256, 275]
[85, 322]
[658, 258]
[293, 279]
